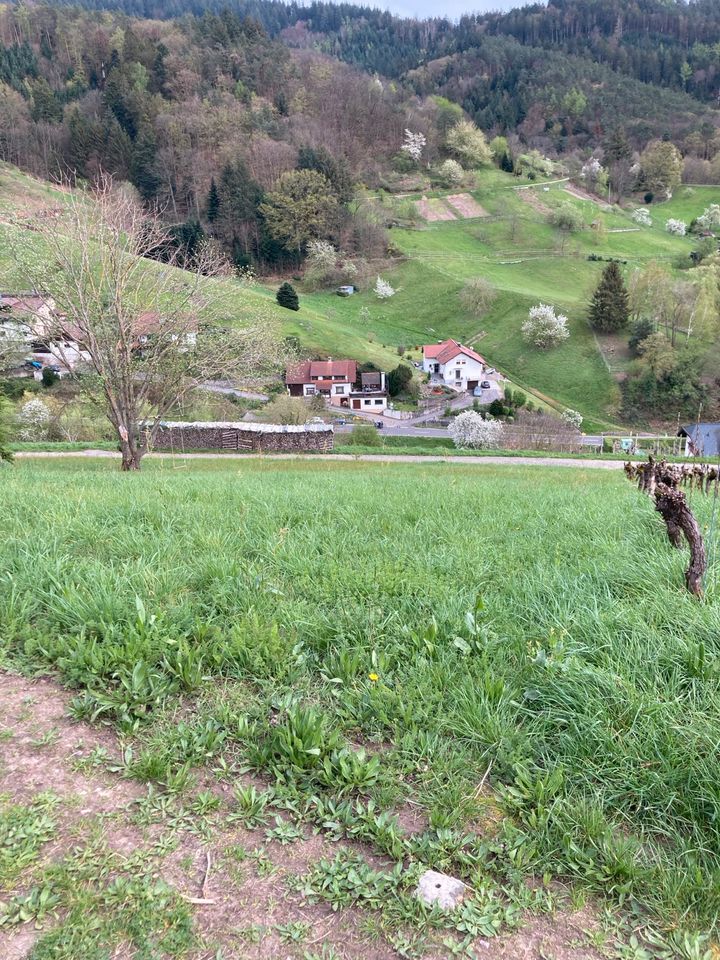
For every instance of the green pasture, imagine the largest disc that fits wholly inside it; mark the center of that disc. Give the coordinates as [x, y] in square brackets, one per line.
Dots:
[527, 628]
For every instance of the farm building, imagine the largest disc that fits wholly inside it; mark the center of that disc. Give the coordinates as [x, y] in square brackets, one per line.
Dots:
[338, 381]
[454, 365]
[252, 437]
[701, 439]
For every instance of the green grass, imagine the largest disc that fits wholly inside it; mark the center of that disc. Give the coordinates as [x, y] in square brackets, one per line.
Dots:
[527, 626]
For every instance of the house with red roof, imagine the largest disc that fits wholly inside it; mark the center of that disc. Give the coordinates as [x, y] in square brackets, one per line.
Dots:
[454, 365]
[339, 383]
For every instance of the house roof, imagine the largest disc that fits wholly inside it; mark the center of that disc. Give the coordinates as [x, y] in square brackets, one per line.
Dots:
[447, 350]
[322, 369]
[705, 437]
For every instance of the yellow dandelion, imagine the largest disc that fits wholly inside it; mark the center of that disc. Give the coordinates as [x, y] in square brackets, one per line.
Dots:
[374, 677]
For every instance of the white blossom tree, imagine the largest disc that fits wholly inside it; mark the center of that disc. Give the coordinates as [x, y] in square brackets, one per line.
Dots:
[677, 227]
[34, 420]
[710, 217]
[572, 418]
[544, 327]
[413, 145]
[470, 431]
[383, 290]
[641, 216]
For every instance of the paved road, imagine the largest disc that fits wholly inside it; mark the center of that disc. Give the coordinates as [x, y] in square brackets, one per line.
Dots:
[366, 457]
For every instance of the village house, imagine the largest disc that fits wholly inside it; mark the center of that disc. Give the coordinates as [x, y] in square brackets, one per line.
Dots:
[454, 365]
[32, 318]
[339, 383]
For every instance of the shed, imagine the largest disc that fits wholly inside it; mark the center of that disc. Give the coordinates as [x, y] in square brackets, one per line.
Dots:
[702, 439]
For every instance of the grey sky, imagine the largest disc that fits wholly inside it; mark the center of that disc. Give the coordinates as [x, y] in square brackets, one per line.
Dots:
[446, 8]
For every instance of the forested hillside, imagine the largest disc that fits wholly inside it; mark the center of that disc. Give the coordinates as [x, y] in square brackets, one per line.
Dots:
[620, 53]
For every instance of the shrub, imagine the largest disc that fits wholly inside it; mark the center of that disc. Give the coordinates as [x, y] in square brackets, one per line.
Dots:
[642, 217]
[640, 330]
[566, 217]
[383, 290]
[477, 296]
[572, 418]
[364, 435]
[496, 409]
[398, 379]
[49, 377]
[470, 431]
[649, 197]
[676, 227]
[451, 173]
[6, 430]
[287, 297]
[545, 328]
[34, 420]
[519, 399]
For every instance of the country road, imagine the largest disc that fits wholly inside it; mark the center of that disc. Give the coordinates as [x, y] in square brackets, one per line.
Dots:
[364, 457]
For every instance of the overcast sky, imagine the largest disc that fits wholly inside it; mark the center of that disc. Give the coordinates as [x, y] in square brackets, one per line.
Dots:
[447, 8]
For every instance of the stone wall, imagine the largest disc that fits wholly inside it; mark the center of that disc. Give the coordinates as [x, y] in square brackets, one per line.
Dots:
[251, 437]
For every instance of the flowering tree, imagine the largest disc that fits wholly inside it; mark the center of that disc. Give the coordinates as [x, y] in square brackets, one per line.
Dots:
[470, 431]
[383, 290]
[642, 217]
[469, 145]
[34, 420]
[545, 328]
[451, 172]
[676, 227]
[710, 217]
[572, 418]
[413, 145]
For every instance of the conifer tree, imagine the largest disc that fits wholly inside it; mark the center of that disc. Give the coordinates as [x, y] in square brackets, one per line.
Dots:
[609, 306]
[213, 202]
[287, 297]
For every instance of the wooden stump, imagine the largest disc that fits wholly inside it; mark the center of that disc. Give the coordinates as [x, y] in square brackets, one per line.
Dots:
[679, 519]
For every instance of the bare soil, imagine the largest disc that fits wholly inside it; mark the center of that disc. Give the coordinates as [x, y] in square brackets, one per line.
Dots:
[433, 210]
[244, 908]
[466, 205]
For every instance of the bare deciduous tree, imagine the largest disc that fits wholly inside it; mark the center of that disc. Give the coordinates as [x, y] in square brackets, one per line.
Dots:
[149, 331]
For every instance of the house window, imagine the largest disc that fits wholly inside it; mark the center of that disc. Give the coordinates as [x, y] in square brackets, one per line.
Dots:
[340, 389]
[458, 374]
[309, 391]
[378, 403]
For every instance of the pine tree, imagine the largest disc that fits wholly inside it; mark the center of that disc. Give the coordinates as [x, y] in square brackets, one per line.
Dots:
[609, 306]
[213, 202]
[287, 297]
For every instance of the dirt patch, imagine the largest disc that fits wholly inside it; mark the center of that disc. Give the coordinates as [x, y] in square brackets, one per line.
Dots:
[585, 195]
[563, 936]
[466, 205]
[433, 210]
[534, 201]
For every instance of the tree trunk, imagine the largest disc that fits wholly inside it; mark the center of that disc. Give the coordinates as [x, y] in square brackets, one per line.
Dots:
[130, 456]
[673, 508]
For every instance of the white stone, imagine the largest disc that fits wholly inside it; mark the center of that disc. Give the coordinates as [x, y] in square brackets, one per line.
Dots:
[434, 887]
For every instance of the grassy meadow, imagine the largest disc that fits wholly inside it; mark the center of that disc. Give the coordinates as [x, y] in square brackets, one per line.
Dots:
[509, 650]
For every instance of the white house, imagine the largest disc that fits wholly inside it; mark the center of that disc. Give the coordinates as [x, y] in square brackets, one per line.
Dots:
[31, 318]
[454, 365]
[338, 382]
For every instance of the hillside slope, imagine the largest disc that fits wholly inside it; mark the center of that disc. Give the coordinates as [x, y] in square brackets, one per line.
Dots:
[23, 197]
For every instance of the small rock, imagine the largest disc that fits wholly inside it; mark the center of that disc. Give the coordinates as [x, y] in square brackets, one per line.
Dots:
[434, 887]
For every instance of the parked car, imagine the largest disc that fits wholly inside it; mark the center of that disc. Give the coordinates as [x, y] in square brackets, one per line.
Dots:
[485, 385]
[379, 424]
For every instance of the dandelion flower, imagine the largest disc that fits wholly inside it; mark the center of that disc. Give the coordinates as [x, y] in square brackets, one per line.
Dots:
[374, 677]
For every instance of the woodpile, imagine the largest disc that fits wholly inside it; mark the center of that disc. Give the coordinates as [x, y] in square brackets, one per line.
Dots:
[662, 481]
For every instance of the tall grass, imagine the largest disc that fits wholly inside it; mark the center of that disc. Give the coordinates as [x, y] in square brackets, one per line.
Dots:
[528, 625]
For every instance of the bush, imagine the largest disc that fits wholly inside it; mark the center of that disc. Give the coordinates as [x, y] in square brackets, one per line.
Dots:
[398, 379]
[677, 227]
[6, 430]
[34, 421]
[649, 197]
[572, 418]
[287, 297]
[49, 377]
[451, 173]
[470, 431]
[496, 409]
[544, 328]
[477, 296]
[364, 435]
[642, 217]
[640, 330]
